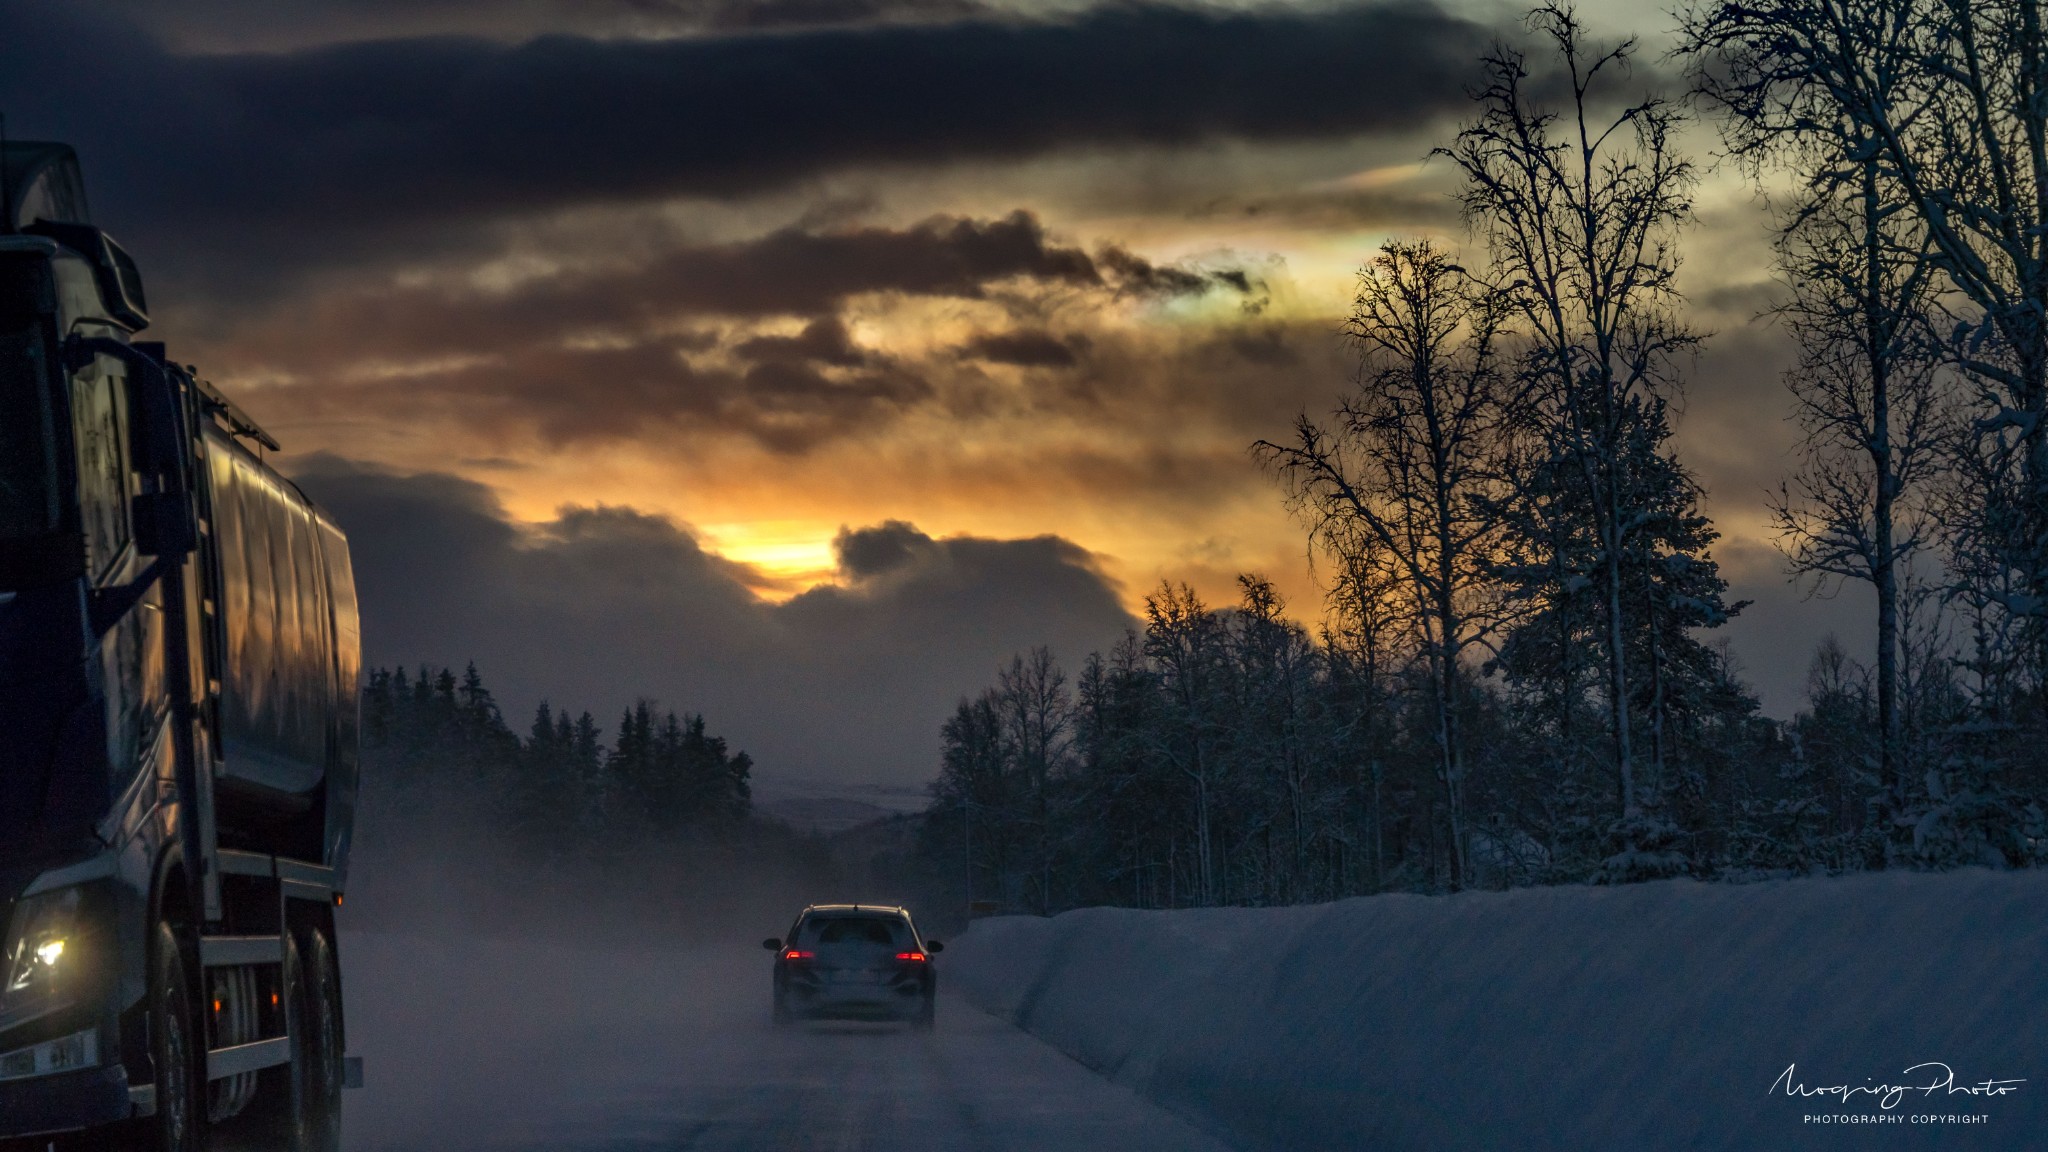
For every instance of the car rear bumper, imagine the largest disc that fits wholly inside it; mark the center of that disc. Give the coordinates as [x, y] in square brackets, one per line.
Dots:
[858, 1011]
[856, 1002]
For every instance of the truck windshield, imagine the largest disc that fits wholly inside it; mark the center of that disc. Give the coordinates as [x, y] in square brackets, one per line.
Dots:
[28, 463]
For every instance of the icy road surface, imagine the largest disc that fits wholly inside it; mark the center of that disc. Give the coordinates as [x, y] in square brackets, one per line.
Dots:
[517, 1045]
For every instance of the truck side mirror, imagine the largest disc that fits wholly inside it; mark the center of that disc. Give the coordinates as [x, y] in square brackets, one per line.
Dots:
[159, 448]
[162, 519]
[156, 423]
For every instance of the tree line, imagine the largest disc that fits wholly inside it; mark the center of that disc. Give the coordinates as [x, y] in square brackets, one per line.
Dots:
[1514, 680]
[575, 830]
[435, 740]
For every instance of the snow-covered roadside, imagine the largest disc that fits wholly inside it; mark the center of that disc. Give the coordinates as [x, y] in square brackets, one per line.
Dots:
[1635, 1018]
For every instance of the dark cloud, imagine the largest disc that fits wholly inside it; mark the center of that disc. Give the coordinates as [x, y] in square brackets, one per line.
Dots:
[1225, 386]
[1270, 346]
[1134, 273]
[613, 353]
[789, 272]
[584, 394]
[823, 341]
[796, 405]
[848, 681]
[1734, 429]
[277, 25]
[1027, 348]
[1338, 209]
[1748, 302]
[737, 14]
[886, 547]
[801, 271]
[290, 157]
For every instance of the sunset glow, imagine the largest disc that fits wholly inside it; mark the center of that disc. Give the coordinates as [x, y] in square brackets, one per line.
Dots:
[722, 346]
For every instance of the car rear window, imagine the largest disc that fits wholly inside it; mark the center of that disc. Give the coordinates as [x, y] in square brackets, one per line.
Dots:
[890, 932]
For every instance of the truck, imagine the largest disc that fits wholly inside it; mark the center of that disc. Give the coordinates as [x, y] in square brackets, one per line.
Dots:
[179, 658]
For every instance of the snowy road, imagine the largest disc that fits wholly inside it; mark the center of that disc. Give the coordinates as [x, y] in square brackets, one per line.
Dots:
[524, 1046]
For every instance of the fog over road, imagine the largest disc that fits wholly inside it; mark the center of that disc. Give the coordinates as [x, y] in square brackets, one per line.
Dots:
[474, 1044]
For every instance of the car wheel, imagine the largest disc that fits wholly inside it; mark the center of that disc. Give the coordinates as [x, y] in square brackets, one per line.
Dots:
[927, 1014]
[782, 1016]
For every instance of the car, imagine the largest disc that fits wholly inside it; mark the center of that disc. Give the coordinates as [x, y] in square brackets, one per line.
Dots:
[854, 962]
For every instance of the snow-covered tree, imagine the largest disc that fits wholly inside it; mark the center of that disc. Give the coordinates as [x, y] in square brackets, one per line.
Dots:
[1579, 204]
[1407, 472]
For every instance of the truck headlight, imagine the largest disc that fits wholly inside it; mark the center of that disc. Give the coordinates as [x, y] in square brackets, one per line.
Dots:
[42, 948]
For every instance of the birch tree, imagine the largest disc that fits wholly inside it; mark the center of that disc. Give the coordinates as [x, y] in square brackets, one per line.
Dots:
[1284, 736]
[1037, 712]
[1949, 100]
[1184, 641]
[1408, 465]
[1866, 396]
[1580, 205]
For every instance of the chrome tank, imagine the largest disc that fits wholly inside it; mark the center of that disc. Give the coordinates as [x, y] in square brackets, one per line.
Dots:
[290, 643]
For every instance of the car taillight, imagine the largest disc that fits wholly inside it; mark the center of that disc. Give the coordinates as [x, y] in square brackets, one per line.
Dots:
[914, 957]
[793, 954]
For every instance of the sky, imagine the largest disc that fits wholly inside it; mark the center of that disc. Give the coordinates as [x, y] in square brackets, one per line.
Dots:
[798, 361]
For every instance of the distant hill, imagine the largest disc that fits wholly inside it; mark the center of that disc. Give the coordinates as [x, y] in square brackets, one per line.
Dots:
[822, 815]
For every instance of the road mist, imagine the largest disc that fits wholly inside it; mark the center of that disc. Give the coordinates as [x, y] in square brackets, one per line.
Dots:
[501, 999]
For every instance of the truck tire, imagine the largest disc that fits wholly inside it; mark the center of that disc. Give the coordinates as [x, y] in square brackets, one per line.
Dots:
[176, 1047]
[293, 1113]
[317, 1066]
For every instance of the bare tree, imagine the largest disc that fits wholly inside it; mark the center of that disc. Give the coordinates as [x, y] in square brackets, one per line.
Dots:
[1184, 640]
[975, 775]
[1947, 97]
[1358, 638]
[1284, 731]
[1866, 396]
[1580, 207]
[1408, 467]
[1037, 713]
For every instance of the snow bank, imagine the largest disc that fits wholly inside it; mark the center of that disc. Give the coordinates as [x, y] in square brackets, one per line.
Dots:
[1643, 1017]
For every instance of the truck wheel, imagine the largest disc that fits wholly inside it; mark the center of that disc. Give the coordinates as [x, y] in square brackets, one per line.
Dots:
[317, 1062]
[289, 1099]
[176, 1048]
